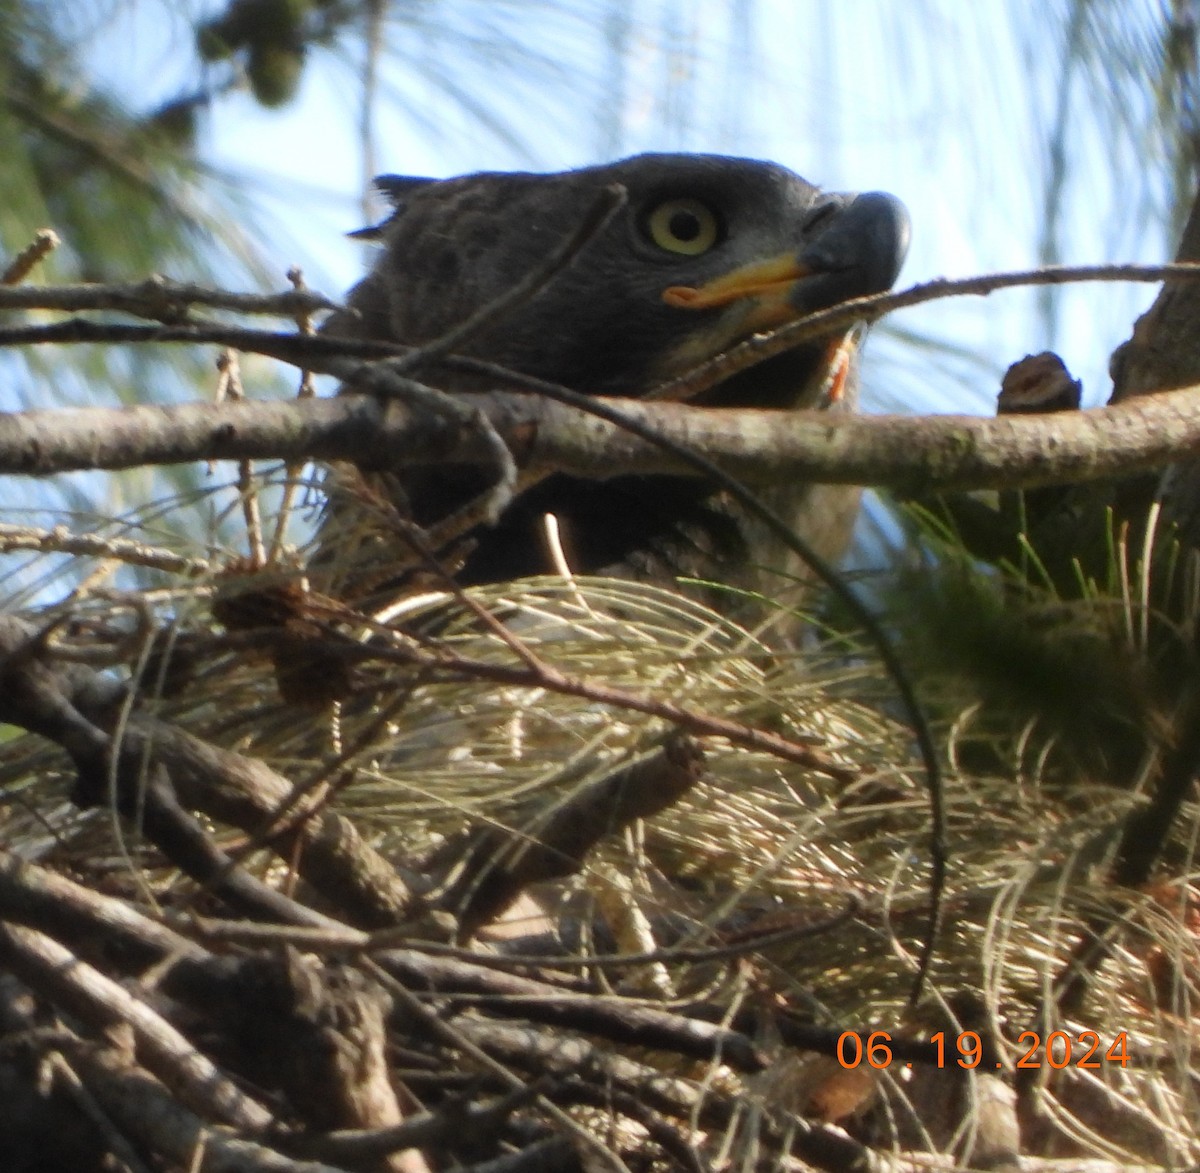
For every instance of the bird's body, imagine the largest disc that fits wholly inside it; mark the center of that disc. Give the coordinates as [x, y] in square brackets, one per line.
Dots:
[703, 252]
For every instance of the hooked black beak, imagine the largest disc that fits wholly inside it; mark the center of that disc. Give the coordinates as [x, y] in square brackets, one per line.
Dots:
[859, 250]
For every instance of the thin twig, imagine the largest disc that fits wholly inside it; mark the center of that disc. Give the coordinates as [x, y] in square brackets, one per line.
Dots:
[146, 1110]
[417, 540]
[292, 469]
[159, 299]
[350, 940]
[114, 1139]
[44, 243]
[546, 676]
[229, 390]
[61, 541]
[875, 306]
[447, 1033]
[598, 216]
[71, 983]
[747, 943]
[454, 1121]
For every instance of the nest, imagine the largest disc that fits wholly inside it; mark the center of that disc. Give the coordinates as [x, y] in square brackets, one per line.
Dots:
[554, 874]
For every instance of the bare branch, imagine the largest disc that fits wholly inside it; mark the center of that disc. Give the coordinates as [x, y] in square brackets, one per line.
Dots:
[61, 541]
[910, 454]
[157, 298]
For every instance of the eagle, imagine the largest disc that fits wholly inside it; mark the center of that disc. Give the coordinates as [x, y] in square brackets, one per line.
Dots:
[702, 252]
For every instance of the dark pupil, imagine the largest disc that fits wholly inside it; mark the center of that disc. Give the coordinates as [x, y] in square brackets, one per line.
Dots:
[684, 225]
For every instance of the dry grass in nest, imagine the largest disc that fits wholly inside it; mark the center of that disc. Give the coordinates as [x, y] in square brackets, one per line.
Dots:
[757, 843]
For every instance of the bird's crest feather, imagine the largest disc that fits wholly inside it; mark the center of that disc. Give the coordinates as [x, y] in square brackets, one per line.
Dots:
[397, 189]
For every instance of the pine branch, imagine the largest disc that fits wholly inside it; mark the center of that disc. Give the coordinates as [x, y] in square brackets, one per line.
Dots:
[912, 455]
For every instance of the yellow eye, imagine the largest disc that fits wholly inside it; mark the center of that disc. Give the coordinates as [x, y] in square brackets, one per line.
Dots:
[687, 227]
